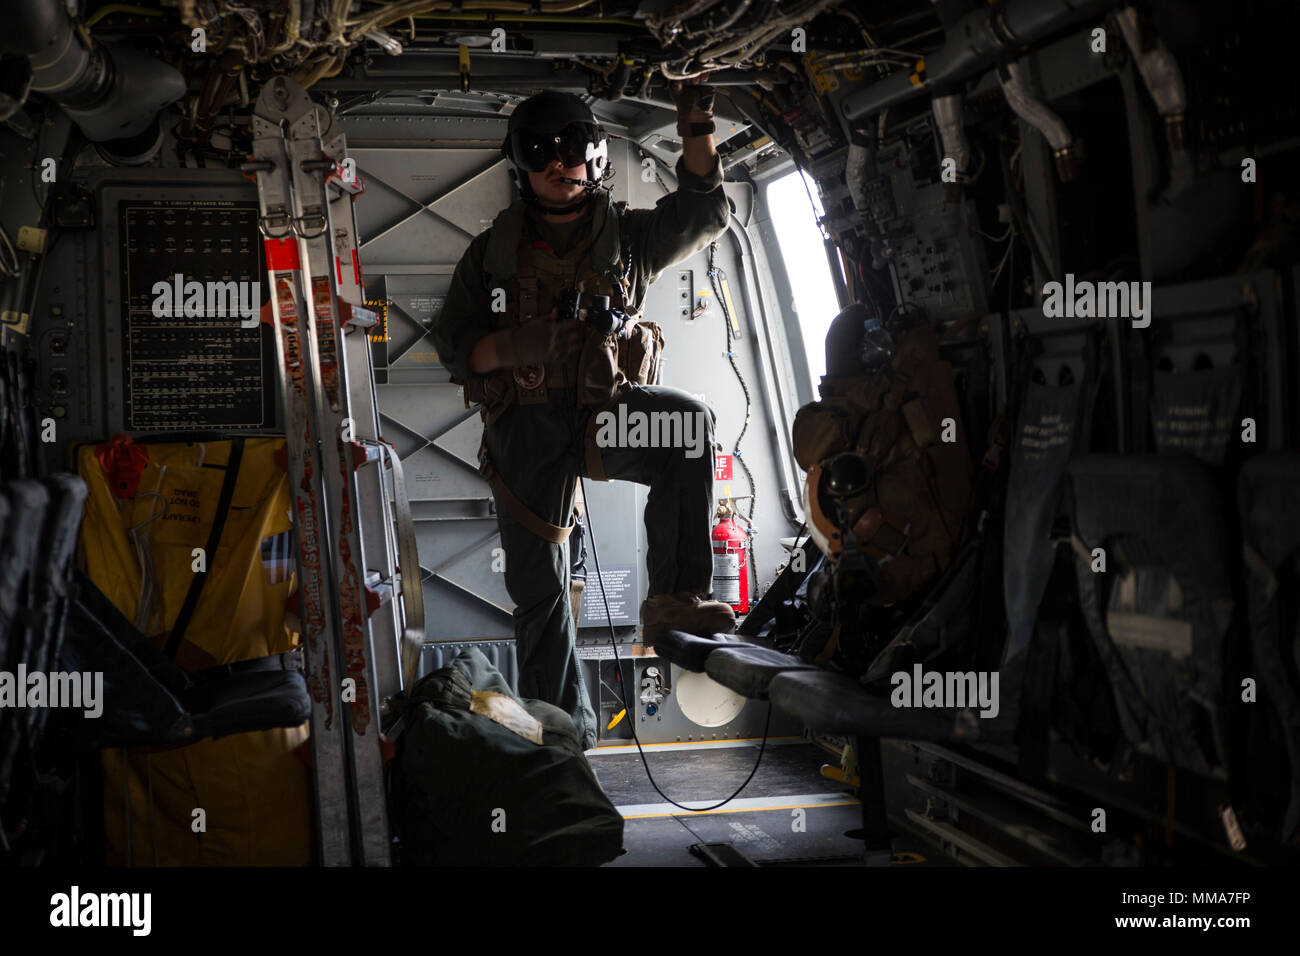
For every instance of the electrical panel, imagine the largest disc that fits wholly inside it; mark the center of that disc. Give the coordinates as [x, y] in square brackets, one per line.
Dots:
[937, 257]
[187, 372]
[106, 363]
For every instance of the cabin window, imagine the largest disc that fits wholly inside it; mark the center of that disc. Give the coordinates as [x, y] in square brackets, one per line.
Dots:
[795, 208]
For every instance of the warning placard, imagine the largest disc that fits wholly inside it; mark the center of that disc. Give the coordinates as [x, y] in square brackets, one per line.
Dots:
[620, 591]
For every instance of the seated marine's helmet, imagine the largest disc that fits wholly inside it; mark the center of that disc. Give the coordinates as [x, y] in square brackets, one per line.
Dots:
[555, 125]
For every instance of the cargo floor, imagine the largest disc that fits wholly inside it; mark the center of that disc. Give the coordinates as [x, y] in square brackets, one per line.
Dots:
[789, 814]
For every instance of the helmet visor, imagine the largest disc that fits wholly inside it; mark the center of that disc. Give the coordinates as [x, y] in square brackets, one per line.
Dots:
[533, 151]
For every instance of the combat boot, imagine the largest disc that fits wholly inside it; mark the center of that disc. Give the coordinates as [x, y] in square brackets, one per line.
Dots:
[684, 611]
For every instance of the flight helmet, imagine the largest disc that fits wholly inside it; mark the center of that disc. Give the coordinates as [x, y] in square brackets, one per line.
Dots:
[555, 125]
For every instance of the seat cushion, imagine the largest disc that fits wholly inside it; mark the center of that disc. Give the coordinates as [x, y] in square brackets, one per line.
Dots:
[749, 670]
[253, 701]
[836, 704]
[689, 651]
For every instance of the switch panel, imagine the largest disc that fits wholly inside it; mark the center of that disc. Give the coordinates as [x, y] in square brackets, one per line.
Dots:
[686, 294]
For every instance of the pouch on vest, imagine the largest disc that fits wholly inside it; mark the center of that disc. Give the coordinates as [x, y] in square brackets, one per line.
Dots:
[599, 378]
[640, 355]
[825, 428]
[610, 366]
[493, 392]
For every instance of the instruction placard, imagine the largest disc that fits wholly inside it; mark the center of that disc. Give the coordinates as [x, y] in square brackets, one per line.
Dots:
[620, 590]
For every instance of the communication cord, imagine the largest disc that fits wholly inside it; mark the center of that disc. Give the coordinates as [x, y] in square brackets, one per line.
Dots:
[609, 621]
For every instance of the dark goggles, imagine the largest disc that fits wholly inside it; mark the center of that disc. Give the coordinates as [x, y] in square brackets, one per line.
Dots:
[533, 152]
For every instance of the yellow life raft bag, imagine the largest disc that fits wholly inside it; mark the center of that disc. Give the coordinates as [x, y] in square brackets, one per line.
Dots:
[184, 549]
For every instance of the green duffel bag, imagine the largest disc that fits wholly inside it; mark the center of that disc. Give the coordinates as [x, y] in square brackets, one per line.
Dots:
[482, 778]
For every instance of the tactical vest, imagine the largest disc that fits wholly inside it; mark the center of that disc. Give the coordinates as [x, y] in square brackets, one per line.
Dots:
[534, 277]
[910, 516]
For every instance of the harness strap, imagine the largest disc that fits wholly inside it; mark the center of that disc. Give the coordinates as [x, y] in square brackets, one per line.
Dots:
[288, 661]
[1259, 567]
[521, 512]
[210, 550]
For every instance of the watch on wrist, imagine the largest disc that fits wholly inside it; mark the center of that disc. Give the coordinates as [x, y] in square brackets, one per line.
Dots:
[695, 111]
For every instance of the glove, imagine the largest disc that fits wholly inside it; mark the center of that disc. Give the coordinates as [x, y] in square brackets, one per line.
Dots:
[694, 107]
[540, 342]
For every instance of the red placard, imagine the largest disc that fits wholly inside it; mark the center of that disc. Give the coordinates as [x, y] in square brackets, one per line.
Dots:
[281, 254]
[722, 467]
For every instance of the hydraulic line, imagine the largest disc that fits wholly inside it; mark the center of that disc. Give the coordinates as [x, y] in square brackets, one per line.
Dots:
[1034, 112]
[952, 130]
[717, 276]
[1164, 82]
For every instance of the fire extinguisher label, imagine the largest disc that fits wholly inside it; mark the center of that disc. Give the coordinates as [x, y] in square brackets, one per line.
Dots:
[726, 578]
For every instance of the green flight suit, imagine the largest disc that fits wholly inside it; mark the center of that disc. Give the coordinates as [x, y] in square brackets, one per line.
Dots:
[539, 448]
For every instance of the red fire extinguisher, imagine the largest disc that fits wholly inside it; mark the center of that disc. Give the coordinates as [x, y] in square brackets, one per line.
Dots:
[730, 559]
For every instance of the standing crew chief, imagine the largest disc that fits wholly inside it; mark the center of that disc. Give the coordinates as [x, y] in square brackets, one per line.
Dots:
[522, 331]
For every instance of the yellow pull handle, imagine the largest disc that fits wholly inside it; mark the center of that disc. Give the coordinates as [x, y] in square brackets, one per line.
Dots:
[835, 773]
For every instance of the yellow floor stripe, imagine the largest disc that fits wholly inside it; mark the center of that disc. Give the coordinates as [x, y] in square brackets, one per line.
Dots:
[630, 747]
[705, 813]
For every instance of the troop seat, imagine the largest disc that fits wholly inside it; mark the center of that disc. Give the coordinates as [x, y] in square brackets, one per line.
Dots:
[1161, 611]
[750, 670]
[155, 703]
[690, 651]
[1268, 488]
[836, 704]
[830, 702]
